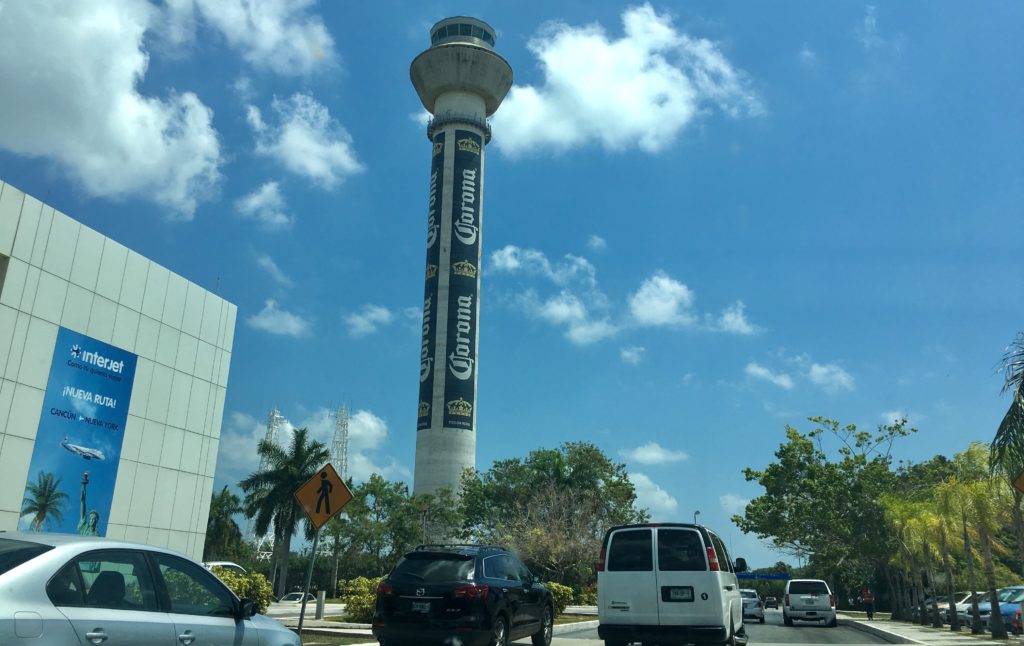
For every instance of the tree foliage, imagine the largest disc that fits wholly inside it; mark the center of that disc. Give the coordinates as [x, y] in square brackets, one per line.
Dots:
[223, 536]
[44, 500]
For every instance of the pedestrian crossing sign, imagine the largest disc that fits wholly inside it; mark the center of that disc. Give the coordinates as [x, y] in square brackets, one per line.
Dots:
[323, 495]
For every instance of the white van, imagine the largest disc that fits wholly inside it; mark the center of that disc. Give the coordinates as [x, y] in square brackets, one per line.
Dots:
[668, 583]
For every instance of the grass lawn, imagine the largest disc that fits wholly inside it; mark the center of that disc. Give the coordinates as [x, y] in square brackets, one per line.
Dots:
[573, 619]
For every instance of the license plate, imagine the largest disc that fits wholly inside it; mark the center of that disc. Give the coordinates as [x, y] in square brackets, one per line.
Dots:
[680, 594]
[421, 606]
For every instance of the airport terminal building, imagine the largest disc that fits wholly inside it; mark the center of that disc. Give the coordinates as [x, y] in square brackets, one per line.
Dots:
[113, 372]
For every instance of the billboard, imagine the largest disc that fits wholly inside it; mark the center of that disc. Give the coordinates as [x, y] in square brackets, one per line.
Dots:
[78, 444]
[430, 293]
[463, 313]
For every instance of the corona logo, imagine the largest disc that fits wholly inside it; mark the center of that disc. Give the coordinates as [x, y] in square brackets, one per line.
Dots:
[438, 147]
[424, 409]
[431, 271]
[469, 146]
[460, 407]
[464, 268]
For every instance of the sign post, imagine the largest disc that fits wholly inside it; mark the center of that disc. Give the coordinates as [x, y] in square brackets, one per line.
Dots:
[321, 497]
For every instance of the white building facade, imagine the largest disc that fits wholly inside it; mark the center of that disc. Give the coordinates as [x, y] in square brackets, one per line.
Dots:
[124, 359]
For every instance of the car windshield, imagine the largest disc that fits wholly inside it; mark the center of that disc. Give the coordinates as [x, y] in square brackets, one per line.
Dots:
[13, 553]
[435, 567]
[1011, 595]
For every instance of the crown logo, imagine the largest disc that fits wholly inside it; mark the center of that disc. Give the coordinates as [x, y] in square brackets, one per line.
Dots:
[469, 146]
[424, 409]
[438, 147]
[431, 271]
[464, 268]
[460, 407]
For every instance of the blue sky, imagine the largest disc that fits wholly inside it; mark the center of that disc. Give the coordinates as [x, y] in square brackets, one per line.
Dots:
[701, 222]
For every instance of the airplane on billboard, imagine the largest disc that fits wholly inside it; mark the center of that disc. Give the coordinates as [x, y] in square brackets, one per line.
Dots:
[87, 453]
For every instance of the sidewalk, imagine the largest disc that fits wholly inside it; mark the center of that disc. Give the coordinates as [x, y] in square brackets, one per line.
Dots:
[902, 632]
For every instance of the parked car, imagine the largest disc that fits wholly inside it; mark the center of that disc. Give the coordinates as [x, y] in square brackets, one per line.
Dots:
[752, 604]
[962, 601]
[477, 594]
[1009, 600]
[58, 589]
[808, 600]
[1015, 625]
[965, 613]
[771, 602]
[668, 583]
[227, 565]
[296, 597]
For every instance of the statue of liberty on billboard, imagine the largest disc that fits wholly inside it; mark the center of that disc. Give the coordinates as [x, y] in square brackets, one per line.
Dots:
[88, 525]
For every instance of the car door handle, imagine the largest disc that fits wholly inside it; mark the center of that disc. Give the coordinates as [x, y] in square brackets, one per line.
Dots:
[186, 637]
[97, 636]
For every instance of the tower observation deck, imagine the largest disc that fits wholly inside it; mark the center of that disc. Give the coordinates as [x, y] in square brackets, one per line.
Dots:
[461, 81]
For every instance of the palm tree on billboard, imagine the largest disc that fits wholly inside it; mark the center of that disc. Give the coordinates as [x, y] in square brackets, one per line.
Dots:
[44, 499]
[269, 493]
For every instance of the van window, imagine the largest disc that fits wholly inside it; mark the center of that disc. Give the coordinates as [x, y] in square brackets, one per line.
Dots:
[680, 550]
[724, 563]
[808, 587]
[631, 551]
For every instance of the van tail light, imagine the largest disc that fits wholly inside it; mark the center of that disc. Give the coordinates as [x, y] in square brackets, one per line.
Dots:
[832, 600]
[786, 602]
[474, 591]
[385, 588]
[712, 559]
[600, 560]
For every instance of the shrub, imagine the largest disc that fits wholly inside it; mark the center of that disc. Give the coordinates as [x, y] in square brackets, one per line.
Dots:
[360, 599]
[587, 596]
[247, 586]
[561, 595]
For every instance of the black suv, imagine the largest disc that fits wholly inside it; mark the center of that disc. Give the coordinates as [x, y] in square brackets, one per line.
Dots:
[462, 594]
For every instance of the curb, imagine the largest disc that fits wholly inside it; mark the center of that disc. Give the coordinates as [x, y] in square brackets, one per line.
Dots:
[872, 629]
[558, 629]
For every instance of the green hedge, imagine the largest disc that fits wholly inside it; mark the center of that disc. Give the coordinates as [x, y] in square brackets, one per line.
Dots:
[360, 599]
[247, 586]
[561, 595]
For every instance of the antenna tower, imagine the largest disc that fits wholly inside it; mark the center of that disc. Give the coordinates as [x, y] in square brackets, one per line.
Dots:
[339, 447]
[274, 421]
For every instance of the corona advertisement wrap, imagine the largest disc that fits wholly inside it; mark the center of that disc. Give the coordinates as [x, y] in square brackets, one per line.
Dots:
[428, 343]
[460, 364]
[78, 444]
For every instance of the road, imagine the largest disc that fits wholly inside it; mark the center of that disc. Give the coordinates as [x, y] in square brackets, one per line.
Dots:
[771, 632]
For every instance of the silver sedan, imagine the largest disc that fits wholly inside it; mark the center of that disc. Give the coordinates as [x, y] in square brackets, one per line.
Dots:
[62, 589]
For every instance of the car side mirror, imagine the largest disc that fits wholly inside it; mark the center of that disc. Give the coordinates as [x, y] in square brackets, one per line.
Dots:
[247, 609]
[741, 565]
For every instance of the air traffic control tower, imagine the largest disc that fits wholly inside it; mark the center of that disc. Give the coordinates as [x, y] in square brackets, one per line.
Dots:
[461, 81]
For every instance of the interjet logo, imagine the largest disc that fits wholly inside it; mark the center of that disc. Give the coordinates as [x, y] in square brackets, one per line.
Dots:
[96, 359]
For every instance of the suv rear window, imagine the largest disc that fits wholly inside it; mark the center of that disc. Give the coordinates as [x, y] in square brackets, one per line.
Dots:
[680, 550]
[630, 551]
[14, 553]
[808, 587]
[434, 567]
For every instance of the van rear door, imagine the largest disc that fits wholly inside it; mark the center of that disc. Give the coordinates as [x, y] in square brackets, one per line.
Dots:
[627, 588]
[688, 593]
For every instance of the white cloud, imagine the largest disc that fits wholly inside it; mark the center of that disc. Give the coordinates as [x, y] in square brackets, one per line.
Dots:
[639, 90]
[653, 453]
[662, 300]
[830, 377]
[268, 265]
[893, 416]
[512, 259]
[266, 206]
[71, 73]
[807, 56]
[732, 503]
[659, 502]
[596, 243]
[756, 371]
[368, 320]
[868, 32]
[278, 35]
[567, 310]
[734, 320]
[308, 141]
[277, 321]
[633, 355]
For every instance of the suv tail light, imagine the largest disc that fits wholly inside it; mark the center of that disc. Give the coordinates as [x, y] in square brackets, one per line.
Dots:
[385, 588]
[600, 560]
[712, 559]
[832, 600]
[474, 591]
[786, 602]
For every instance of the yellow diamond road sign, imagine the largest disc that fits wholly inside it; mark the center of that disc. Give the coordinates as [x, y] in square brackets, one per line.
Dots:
[323, 495]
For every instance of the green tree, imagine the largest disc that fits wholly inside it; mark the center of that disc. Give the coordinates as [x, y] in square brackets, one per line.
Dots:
[379, 523]
[554, 507]
[1008, 444]
[223, 536]
[45, 500]
[269, 494]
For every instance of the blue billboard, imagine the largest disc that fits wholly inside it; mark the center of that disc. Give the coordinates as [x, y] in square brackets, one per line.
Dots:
[78, 445]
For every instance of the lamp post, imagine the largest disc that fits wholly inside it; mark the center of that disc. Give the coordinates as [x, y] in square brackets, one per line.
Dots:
[695, 514]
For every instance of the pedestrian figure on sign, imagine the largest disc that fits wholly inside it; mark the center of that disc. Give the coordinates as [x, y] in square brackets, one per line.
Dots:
[325, 494]
[869, 602]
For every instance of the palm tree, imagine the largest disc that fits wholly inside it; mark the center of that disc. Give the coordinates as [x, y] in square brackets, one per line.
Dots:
[269, 493]
[222, 532]
[1008, 444]
[45, 500]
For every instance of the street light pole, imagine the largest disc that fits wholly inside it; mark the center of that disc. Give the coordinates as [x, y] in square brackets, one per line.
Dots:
[695, 514]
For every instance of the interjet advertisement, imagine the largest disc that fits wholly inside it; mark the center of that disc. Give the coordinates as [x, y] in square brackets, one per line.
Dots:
[460, 372]
[78, 445]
